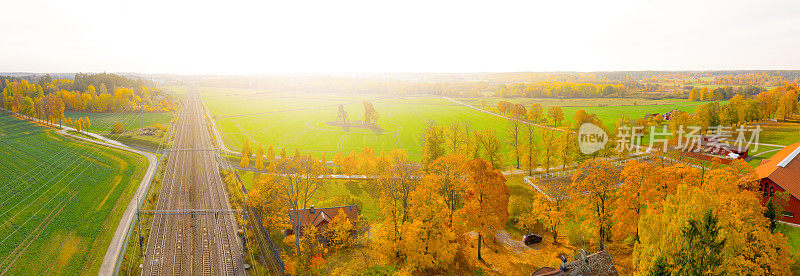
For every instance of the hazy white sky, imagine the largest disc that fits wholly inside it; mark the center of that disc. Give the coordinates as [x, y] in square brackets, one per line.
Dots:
[235, 37]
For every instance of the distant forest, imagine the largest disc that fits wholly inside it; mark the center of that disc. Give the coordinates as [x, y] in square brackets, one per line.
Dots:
[639, 84]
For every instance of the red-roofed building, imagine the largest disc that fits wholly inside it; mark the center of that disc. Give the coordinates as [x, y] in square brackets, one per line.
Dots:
[321, 217]
[781, 173]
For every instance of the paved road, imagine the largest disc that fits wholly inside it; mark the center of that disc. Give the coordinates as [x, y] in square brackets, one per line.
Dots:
[118, 240]
[192, 231]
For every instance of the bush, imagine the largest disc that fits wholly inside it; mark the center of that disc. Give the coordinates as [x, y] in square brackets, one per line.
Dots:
[576, 235]
[118, 128]
[377, 270]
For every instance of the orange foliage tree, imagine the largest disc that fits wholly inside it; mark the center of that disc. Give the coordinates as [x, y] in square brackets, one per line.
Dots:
[592, 188]
[486, 201]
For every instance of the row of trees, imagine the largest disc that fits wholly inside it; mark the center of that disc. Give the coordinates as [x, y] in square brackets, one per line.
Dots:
[415, 233]
[17, 96]
[547, 89]
[781, 102]
[722, 93]
[428, 209]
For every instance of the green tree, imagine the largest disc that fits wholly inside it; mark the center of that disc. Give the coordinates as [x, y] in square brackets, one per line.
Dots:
[702, 252]
[771, 214]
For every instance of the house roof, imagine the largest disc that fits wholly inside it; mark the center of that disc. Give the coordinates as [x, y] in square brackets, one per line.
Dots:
[315, 216]
[783, 168]
[595, 264]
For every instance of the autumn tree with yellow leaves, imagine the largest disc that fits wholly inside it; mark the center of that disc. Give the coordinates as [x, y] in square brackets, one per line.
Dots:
[340, 230]
[593, 186]
[245, 162]
[434, 144]
[267, 196]
[530, 148]
[550, 212]
[485, 208]
[750, 247]
[457, 138]
[639, 181]
[488, 147]
[397, 179]
[556, 115]
[428, 242]
[259, 158]
[299, 186]
[447, 175]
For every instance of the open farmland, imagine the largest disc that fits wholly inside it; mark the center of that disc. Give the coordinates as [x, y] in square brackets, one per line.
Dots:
[290, 121]
[301, 122]
[607, 109]
[60, 200]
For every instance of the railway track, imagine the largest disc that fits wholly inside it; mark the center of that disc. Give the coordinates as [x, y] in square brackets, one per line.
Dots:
[184, 240]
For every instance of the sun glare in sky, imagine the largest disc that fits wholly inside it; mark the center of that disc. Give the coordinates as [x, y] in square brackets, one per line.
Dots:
[252, 37]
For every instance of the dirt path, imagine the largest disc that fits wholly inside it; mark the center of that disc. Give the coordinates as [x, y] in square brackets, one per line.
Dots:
[510, 243]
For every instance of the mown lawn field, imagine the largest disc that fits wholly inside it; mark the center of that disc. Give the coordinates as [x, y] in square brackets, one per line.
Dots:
[607, 109]
[60, 199]
[583, 102]
[103, 122]
[301, 122]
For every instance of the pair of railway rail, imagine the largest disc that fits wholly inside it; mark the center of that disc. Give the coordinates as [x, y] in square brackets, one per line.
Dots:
[193, 230]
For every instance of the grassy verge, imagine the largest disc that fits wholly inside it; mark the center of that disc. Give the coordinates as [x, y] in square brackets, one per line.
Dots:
[150, 143]
[103, 122]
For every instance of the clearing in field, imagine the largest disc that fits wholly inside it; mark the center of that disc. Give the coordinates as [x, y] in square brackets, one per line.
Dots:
[60, 200]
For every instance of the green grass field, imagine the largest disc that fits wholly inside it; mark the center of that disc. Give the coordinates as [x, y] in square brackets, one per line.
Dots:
[102, 122]
[587, 102]
[294, 122]
[60, 200]
[607, 109]
[300, 121]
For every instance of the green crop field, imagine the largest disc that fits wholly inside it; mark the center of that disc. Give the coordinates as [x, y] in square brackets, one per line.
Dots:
[102, 122]
[60, 200]
[292, 121]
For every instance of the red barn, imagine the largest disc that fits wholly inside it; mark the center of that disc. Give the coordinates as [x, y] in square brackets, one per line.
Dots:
[782, 173]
